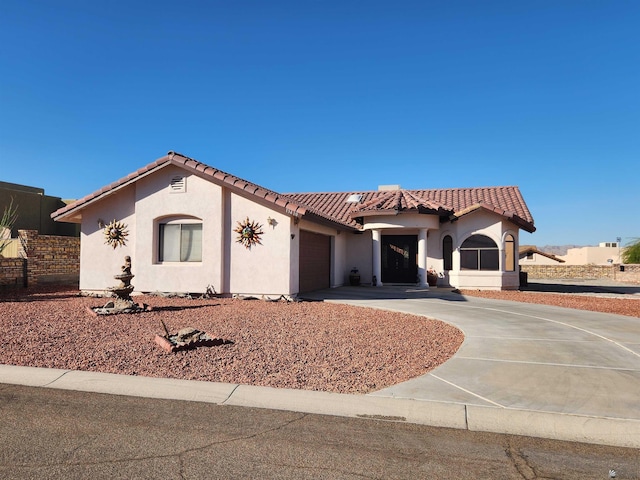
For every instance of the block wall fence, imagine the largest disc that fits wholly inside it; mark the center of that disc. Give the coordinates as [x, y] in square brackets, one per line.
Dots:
[620, 273]
[43, 259]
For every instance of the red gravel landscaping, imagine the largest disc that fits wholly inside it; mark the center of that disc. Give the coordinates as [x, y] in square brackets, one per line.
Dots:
[619, 306]
[301, 345]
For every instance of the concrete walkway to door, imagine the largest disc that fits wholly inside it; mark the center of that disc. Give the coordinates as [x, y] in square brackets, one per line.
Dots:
[538, 366]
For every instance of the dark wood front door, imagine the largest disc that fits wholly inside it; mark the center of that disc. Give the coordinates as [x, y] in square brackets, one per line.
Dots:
[399, 258]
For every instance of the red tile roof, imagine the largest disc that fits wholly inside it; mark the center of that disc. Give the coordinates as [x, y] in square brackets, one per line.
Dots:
[394, 202]
[447, 203]
[72, 212]
[333, 208]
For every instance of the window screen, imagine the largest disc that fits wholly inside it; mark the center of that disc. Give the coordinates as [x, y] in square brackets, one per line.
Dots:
[479, 252]
[180, 242]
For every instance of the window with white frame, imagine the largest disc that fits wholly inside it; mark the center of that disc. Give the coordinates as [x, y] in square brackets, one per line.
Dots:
[479, 252]
[180, 240]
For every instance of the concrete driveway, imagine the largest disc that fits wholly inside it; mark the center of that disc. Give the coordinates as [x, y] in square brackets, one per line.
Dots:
[523, 357]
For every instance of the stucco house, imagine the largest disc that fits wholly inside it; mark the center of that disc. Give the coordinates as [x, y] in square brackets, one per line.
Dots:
[190, 225]
[531, 255]
[606, 253]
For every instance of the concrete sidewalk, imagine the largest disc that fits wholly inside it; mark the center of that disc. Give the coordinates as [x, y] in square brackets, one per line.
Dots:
[523, 369]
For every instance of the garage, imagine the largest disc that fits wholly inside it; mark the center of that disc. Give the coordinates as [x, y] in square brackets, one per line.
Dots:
[315, 261]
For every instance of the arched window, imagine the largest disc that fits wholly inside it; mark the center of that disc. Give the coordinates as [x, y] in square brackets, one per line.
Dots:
[447, 252]
[509, 254]
[479, 252]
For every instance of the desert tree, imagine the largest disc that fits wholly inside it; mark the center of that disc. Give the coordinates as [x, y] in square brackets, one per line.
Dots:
[631, 253]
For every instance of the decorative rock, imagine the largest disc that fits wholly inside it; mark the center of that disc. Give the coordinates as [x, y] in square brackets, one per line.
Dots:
[189, 334]
[192, 338]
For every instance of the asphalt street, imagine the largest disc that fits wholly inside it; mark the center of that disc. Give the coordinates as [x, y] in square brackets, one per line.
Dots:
[54, 434]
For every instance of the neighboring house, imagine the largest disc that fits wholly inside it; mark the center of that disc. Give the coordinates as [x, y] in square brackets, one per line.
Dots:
[34, 210]
[530, 255]
[606, 253]
[185, 220]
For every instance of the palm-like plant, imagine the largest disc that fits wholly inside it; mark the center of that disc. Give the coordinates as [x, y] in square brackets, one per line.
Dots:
[9, 217]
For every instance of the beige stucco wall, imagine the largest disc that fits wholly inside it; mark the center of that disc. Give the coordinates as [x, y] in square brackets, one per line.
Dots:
[339, 260]
[98, 261]
[359, 248]
[592, 255]
[404, 221]
[156, 203]
[263, 269]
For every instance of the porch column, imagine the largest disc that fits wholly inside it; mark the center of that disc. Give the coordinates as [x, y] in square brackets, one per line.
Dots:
[377, 257]
[422, 257]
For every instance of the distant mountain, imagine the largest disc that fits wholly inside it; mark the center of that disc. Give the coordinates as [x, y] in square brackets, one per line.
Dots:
[558, 249]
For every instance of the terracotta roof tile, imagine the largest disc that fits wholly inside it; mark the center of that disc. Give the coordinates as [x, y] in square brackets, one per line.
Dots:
[219, 175]
[332, 207]
[394, 202]
[73, 209]
[452, 202]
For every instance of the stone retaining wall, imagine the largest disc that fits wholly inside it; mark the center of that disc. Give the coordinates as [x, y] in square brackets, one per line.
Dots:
[43, 259]
[620, 273]
[13, 272]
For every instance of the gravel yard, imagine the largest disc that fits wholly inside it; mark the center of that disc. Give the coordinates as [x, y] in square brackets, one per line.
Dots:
[619, 306]
[301, 345]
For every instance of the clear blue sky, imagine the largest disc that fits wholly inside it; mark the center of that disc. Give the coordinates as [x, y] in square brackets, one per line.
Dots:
[335, 96]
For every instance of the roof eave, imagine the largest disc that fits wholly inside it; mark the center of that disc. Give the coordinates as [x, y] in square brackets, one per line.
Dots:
[512, 217]
[313, 217]
[73, 212]
[375, 213]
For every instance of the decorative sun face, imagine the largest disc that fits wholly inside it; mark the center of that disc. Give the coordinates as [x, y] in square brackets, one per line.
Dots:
[248, 233]
[115, 234]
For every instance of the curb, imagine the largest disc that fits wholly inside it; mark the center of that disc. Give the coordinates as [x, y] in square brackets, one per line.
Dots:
[556, 426]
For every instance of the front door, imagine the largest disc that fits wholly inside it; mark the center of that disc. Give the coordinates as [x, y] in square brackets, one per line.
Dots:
[399, 258]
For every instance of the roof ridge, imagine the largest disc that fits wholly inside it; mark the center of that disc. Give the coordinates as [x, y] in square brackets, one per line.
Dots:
[437, 189]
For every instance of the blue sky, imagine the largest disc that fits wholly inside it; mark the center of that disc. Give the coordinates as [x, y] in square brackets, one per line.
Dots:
[336, 96]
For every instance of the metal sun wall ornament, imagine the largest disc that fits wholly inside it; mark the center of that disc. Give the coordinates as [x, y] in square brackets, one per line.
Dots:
[249, 233]
[115, 234]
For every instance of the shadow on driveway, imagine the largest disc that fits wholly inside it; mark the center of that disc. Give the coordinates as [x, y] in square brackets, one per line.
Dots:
[387, 292]
[578, 287]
